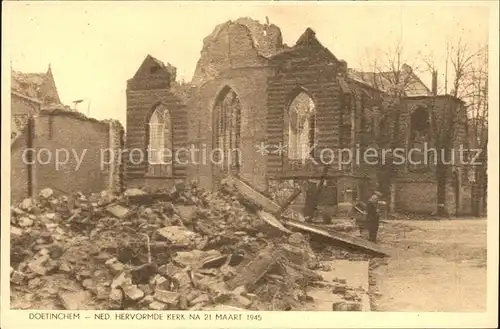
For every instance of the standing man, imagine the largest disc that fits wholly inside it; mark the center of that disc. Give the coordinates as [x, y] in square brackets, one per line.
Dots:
[373, 215]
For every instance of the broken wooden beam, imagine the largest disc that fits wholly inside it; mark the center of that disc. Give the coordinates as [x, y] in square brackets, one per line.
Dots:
[273, 221]
[312, 199]
[340, 239]
[255, 196]
[291, 199]
[256, 269]
[148, 199]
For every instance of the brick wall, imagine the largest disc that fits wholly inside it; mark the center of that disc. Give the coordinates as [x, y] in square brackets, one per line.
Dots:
[54, 132]
[22, 108]
[417, 192]
[415, 197]
[57, 131]
[265, 86]
[238, 66]
[314, 71]
[23, 105]
[116, 144]
[420, 197]
[18, 168]
[248, 85]
[440, 105]
[151, 86]
[153, 184]
[140, 105]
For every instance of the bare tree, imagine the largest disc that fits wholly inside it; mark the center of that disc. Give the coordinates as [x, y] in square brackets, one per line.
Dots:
[477, 107]
[443, 131]
[477, 98]
[390, 72]
[469, 84]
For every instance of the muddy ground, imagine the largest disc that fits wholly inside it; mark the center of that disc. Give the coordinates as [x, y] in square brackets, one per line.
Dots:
[434, 266]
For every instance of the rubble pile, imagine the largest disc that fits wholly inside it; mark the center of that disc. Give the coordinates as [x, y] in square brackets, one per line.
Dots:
[185, 248]
[282, 190]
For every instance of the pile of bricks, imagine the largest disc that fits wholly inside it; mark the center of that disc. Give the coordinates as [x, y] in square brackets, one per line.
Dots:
[185, 248]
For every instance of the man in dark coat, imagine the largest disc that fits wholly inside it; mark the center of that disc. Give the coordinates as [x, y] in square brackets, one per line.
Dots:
[373, 215]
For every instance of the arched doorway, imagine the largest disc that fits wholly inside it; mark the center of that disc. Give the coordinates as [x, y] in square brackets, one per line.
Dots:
[227, 134]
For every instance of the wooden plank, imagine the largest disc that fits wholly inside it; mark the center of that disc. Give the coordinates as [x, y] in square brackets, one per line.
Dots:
[341, 239]
[273, 221]
[255, 270]
[292, 198]
[313, 200]
[249, 193]
[294, 174]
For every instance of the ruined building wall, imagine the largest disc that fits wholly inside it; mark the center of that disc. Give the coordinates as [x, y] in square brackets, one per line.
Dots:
[230, 61]
[248, 59]
[115, 167]
[140, 104]
[417, 191]
[309, 71]
[150, 87]
[21, 109]
[54, 132]
[18, 168]
[52, 135]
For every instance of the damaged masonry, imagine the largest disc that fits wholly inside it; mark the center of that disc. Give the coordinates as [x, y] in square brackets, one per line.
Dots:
[201, 241]
[264, 225]
[185, 248]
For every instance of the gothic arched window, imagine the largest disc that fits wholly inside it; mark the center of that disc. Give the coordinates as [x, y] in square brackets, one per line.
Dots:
[419, 139]
[160, 147]
[227, 112]
[301, 128]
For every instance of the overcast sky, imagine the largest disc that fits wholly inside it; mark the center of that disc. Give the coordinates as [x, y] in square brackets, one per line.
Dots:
[94, 47]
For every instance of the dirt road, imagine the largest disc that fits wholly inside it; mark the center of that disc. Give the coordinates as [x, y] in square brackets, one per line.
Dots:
[435, 266]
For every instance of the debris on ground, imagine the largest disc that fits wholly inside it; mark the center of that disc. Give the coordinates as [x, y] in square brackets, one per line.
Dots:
[182, 249]
[339, 238]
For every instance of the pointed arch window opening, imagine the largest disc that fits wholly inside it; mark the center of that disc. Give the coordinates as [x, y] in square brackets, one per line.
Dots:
[160, 146]
[228, 132]
[419, 141]
[302, 127]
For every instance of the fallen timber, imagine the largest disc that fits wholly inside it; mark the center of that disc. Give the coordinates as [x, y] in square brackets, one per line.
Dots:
[248, 192]
[340, 239]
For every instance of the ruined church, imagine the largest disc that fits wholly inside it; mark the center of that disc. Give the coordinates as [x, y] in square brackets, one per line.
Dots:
[268, 108]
